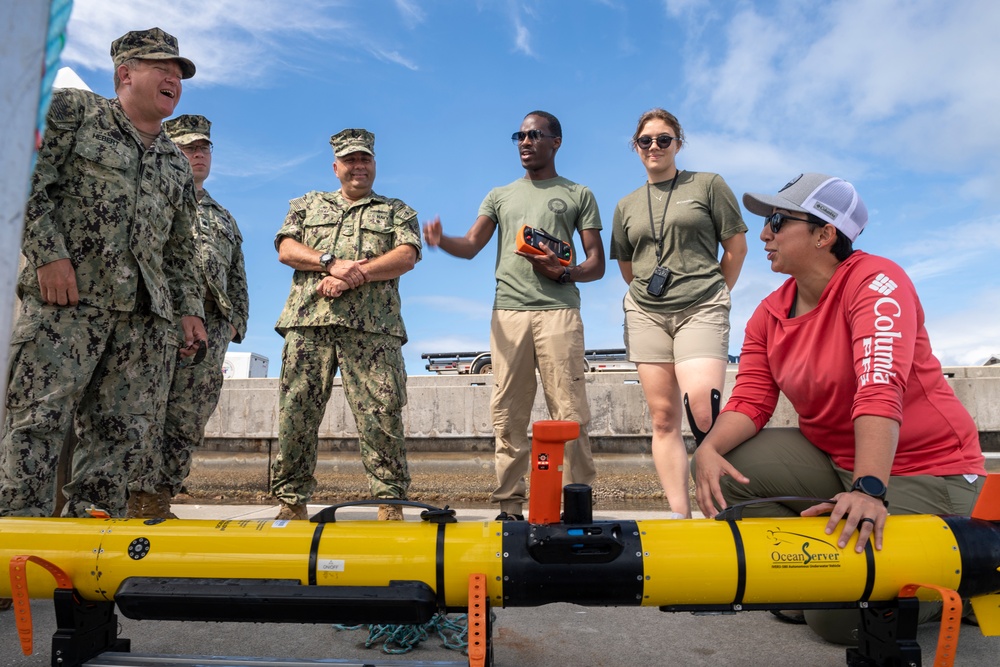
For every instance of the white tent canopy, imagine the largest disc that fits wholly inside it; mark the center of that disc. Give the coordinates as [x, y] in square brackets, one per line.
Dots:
[24, 26]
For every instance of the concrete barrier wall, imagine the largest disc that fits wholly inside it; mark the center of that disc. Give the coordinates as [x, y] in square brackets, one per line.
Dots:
[452, 412]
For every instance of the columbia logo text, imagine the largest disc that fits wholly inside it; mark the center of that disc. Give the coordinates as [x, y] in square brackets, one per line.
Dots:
[883, 284]
[877, 362]
[823, 208]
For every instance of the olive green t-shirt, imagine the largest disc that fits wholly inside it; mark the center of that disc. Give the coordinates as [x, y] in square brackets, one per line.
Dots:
[703, 213]
[557, 205]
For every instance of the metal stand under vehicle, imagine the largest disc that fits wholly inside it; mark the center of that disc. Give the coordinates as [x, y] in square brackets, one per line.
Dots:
[141, 660]
[86, 634]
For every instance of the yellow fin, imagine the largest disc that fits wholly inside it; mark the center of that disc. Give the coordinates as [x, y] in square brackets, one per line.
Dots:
[987, 609]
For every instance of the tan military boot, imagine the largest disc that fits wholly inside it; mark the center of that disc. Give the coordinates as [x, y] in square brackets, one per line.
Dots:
[292, 512]
[161, 503]
[390, 513]
[141, 505]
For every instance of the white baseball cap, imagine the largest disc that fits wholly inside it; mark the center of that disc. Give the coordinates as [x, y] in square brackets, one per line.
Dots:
[830, 199]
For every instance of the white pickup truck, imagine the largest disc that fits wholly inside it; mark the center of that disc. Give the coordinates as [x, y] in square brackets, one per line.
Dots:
[479, 363]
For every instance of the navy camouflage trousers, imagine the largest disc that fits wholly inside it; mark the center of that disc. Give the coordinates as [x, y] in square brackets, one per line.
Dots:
[194, 395]
[374, 382]
[109, 369]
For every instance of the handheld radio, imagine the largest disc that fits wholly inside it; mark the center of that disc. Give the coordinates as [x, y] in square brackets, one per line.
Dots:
[531, 240]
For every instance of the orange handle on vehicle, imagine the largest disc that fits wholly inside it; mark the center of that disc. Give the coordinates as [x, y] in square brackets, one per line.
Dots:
[548, 440]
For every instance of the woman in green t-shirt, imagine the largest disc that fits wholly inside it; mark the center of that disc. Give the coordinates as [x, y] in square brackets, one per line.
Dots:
[666, 238]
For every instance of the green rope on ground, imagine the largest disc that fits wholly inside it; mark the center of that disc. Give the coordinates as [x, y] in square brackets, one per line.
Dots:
[453, 631]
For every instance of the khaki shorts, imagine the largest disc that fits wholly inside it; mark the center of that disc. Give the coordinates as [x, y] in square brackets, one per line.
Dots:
[698, 332]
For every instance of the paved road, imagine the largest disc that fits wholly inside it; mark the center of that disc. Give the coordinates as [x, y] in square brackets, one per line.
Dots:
[556, 634]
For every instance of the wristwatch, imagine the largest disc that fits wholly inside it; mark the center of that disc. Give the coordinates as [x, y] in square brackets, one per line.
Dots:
[871, 486]
[565, 278]
[326, 259]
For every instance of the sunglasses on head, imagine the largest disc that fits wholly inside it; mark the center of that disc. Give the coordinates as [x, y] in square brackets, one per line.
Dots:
[534, 135]
[778, 220]
[645, 141]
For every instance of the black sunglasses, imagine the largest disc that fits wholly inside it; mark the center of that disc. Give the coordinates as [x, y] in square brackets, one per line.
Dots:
[534, 135]
[778, 220]
[645, 141]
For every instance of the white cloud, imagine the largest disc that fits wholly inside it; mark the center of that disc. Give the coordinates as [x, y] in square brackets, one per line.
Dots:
[677, 8]
[522, 38]
[242, 164]
[912, 81]
[736, 90]
[232, 42]
[760, 165]
[970, 336]
[470, 309]
[945, 251]
[394, 57]
[411, 11]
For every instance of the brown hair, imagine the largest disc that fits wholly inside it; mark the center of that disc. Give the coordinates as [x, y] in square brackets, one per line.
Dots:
[663, 115]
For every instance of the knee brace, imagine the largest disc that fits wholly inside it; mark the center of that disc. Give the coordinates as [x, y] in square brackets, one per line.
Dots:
[698, 434]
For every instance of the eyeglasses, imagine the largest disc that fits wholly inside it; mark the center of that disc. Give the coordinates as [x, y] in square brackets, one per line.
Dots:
[663, 140]
[534, 135]
[191, 149]
[778, 220]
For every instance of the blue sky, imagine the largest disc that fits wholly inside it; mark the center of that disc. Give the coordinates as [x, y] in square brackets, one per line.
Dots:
[899, 97]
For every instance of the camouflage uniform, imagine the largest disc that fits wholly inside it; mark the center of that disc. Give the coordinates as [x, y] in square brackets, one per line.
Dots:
[361, 332]
[195, 388]
[123, 214]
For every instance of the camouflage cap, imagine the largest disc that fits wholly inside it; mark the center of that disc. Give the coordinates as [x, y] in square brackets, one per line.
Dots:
[152, 44]
[188, 129]
[352, 141]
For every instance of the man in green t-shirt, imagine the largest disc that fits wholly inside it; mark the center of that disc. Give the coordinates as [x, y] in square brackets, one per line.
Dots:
[536, 320]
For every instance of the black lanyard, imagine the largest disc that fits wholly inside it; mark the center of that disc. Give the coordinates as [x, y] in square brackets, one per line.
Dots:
[663, 220]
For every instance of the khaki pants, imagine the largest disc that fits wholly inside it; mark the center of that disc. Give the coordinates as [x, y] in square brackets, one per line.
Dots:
[550, 341]
[782, 462]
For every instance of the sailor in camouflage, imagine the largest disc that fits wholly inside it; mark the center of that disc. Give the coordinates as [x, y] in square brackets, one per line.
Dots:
[195, 388]
[348, 249]
[110, 270]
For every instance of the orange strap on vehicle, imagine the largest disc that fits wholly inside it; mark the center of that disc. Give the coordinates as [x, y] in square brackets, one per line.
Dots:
[951, 621]
[478, 608]
[19, 592]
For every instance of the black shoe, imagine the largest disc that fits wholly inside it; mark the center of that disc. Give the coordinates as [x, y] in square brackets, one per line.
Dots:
[503, 516]
[793, 616]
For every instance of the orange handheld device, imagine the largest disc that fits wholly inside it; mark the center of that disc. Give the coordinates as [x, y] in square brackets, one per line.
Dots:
[531, 240]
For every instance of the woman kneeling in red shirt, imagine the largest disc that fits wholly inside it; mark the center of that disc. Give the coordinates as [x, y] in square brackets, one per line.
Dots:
[844, 339]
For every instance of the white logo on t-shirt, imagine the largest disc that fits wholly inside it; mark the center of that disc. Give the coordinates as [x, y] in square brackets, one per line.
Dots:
[883, 284]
